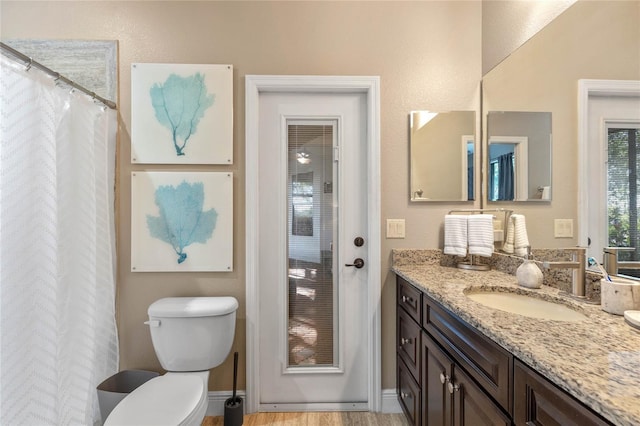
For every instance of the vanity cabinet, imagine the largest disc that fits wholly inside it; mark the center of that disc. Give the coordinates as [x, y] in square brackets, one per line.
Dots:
[451, 374]
[408, 340]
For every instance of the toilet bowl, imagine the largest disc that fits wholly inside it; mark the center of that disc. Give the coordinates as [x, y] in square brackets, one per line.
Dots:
[190, 336]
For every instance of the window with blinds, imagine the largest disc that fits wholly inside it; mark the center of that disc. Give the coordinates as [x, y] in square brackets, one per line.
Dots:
[622, 192]
[311, 206]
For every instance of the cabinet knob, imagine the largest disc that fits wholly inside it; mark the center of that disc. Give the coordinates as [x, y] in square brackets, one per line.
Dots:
[443, 378]
[453, 388]
[405, 395]
[406, 299]
[404, 341]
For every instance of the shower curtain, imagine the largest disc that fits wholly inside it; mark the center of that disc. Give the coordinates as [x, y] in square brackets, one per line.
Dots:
[58, 336]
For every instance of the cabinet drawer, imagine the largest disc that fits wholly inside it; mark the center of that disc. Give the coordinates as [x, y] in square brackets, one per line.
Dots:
[484, 360]
[408, 342]
[408, 394]
[539, 402]
[410, 298]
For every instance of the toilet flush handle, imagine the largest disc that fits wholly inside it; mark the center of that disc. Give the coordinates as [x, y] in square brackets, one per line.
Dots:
[153, 323]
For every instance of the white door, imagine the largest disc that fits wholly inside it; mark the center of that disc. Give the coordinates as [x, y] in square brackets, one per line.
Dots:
[604, 105]
[313, 322]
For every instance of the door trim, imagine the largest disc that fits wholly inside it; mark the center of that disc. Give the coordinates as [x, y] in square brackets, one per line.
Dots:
[254, 85]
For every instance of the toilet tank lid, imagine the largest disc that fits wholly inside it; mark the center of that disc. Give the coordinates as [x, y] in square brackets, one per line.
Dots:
[192, 306]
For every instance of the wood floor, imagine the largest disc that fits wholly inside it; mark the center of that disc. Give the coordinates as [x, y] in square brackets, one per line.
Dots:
[316, 419]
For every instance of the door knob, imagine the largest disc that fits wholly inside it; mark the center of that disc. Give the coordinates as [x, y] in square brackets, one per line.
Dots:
[358, 263]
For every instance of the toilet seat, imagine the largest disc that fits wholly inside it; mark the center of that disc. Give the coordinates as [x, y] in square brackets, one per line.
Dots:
[172, 399]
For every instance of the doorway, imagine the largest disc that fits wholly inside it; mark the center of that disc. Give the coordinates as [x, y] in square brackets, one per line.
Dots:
[313, 320]
[608, 120]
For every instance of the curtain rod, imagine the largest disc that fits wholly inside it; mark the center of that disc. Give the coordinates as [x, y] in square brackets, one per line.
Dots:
[31, 63]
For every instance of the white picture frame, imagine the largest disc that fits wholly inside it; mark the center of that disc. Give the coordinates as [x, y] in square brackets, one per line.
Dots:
[181, 113]
[181, 221]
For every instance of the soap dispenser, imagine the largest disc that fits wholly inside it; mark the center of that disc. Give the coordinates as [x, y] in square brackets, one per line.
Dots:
[528, 273]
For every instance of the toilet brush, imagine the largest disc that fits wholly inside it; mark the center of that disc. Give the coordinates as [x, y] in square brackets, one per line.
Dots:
[233, 407]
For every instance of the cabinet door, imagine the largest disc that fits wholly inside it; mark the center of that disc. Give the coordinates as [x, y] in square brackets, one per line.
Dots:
[539, 402]
[437, 402]
[471, 406]
[408, 394]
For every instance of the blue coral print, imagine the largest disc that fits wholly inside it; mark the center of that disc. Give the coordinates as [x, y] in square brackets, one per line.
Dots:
[181, 221]
[179, 104]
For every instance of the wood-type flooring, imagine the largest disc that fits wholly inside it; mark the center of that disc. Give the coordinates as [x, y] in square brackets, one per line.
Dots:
[348, 418]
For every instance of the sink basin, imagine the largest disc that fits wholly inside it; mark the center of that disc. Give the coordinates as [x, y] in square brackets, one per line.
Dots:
[525, 305]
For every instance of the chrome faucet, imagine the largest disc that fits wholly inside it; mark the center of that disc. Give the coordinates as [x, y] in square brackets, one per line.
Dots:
[578, 264]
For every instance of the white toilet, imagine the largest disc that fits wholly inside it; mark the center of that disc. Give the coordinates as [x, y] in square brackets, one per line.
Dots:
[190, 335]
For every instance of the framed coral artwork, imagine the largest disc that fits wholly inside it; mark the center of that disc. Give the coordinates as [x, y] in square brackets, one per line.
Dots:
[181, 113]
[181, 221]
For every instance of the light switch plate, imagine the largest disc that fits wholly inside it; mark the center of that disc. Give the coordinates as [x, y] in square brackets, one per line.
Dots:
[395, 228]
[563, 228]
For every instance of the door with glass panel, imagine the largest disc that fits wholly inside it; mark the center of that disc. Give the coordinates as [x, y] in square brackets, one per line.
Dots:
[313, 267]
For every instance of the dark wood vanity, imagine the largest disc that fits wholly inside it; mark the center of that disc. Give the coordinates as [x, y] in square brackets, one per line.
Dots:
[448, 373]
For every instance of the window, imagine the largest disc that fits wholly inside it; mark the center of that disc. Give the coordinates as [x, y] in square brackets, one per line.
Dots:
[302, 204]
[622, 190]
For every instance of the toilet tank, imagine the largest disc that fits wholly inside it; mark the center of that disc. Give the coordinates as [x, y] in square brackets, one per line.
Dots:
[192, 333]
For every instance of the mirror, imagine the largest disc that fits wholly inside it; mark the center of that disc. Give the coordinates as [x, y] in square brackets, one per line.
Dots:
[442, 155]
[518, 156]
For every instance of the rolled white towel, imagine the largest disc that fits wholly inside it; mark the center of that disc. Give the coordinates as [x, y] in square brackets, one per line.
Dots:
[520, 237]
[455, 235]
[480, 234]
[507, 247]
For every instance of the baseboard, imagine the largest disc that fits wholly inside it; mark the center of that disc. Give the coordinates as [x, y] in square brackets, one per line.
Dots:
[390, 402]
[217, 399]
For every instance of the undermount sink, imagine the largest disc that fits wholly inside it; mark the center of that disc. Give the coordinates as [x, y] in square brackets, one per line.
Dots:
[525, 305]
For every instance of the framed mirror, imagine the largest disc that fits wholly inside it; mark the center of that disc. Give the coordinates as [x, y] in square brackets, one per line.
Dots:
[442, 147]
[518, 156]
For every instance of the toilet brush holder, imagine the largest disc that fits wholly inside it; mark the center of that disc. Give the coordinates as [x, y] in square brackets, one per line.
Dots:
[234, 407]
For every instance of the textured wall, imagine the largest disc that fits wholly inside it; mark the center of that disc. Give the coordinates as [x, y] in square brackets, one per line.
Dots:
[506, 25]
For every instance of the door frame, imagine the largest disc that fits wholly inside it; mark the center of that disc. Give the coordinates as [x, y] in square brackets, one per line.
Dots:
[587, 88]
[369, 85]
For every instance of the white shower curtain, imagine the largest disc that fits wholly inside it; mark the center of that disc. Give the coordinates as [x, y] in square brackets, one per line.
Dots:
[58, 336]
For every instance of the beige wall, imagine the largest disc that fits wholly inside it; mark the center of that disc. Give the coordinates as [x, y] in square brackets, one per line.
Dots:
[507, 24]
[427, 54]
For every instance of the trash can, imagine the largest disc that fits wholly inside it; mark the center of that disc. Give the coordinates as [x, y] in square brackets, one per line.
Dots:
[115, 388]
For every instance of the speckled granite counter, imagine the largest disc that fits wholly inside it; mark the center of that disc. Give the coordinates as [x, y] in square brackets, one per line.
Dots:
[597, 360]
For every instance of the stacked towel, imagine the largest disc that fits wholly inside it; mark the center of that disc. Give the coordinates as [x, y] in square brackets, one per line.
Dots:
[455, 234]
[517, 238]
[480, 234]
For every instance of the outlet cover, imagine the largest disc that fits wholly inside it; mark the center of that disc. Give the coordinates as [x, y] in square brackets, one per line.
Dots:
[395, 228]
[563, 228]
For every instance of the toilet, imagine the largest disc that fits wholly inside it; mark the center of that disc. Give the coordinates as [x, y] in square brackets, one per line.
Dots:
[190, 336]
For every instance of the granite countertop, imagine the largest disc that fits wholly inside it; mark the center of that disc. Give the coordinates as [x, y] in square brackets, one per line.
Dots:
[597, 360]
